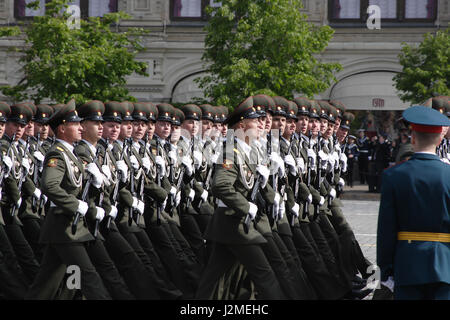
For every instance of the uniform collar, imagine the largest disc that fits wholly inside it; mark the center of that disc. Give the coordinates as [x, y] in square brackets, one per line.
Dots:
[65, 144]
[244, 146]
[90, 145]
[425, 155]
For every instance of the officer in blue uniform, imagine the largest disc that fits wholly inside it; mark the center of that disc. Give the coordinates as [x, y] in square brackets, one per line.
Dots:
[413, 243]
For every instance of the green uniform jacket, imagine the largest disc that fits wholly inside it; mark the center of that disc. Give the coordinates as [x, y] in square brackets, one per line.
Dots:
[61, 183]
[232, 185]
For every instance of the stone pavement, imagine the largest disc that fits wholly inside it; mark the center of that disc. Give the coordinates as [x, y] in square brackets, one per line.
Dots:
[362, 215]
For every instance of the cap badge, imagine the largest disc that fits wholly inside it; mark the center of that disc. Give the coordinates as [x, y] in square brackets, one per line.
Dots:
[21, 116]
[141, 114]
[115, 114]
[44, 115]
[76, 113]
[99, 113]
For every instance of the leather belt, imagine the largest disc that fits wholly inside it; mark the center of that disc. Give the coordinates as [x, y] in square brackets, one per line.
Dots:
[423, 236]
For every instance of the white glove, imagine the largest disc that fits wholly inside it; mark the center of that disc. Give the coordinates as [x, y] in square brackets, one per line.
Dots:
[26, 165]
[295, 209]
[44, 198]
[281, 210]
[343, 160]
[173, 156]
[82, 208]
[341, 182]
[187, 162]
[389, 283]
[38, 156]
[290, 162]
[204, 195]
[214, 157]
[333, 193]
[138, 205]
[134, 162]
[161, 164]
[323, 156]
[178, 199]
[19, 202]
[123, 168]
[146, 164]
[322, 201]
[312, 155]
[264, 172]
[37, 193]
[310, 198]
[164, 203]
[252, 210]
[97, 179]
[276, 164]
[100, 214]
[192, 194]
[8, 163]
[300, 165]
[113, 212]
[106, 172]
[173, 191]
[369, 158]
[276, 201]
[198, 159]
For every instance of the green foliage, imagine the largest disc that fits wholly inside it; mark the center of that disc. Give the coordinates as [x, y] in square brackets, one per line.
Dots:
[60, 63]
[263, 46]
[426, 68]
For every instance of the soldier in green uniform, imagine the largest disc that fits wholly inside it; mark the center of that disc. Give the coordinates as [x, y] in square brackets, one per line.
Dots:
[14, 283]
[19, 184]
[189, 260]
[86, 150]
[129, 263]
[64, 232]
[232, 185]
[41, 127]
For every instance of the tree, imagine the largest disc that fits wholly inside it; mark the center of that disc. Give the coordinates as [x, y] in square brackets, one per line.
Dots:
[426, 68]
[60, 62]
[263, 46]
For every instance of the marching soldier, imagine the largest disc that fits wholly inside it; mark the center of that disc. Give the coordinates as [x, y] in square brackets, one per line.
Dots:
[232, 185]
[64, 232]
[21, 185]
[14, 283]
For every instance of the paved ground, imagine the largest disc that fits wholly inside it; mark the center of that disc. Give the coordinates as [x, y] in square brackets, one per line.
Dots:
[362, 215]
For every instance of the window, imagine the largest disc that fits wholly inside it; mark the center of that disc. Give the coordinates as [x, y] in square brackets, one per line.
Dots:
[88, 8]
[191, 9]
[391, 10]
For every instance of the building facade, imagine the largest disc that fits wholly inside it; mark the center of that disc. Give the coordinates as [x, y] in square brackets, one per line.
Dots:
[175, 44]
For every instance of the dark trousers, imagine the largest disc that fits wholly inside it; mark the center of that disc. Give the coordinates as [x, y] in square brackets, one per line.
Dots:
[428, 291]
[327, 255]
[280, 268]
[130, 266]
[57, 258]
[164, 243]
[193, 234]
[363, 166]
[12, 287]
[325, 285]
[108, 271]
[255, 262]
[32, 230]
[345, 232]
[25, 254]
[343, 259]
